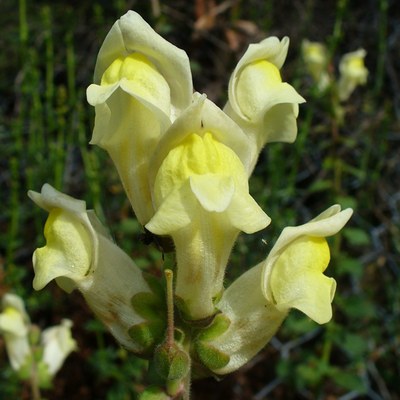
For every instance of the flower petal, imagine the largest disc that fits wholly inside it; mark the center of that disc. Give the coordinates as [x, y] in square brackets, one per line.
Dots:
[297, 280]
[129, 131]
[132, 34]
[202, 117]
[67, 252]
[301, 254]
[214, 192]
[280, 124]
[14, 325]
[57, 344]
[99, 94]
[257, 92]
[175, 212]
[246, 215]
[253, 319]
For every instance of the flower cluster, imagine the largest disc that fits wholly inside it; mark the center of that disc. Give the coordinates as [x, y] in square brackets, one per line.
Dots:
[29, 349]
[351, 67]
[185, 165]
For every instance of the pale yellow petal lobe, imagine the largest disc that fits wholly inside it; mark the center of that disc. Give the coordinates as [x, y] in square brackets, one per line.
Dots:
[68, 251]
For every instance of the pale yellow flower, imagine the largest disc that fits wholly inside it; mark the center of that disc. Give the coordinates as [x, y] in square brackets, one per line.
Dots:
[352, 73]
[80, 254]
[201, 196]
[57, 343]
[315, 56]
[14, 326]
[256, 304]
[253, 320]
[141, 83]
[259, 101]
[292, 274]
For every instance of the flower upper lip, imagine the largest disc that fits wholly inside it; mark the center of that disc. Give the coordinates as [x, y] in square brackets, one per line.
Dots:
[132, 34]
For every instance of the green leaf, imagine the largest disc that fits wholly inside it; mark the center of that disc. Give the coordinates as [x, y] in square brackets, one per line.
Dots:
[296, 324]
[346, 202]
[356, 307]
[356, 236]
[348, 380]
[350, 266]
[353, 344]
[320, 186]
[309, 375]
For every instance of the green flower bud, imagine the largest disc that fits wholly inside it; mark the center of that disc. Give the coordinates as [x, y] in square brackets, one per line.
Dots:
[171, 363]
[153, 393]
[146, 336]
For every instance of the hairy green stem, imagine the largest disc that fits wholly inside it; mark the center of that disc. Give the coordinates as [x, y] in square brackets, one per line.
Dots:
[170, 307]
[36, 395]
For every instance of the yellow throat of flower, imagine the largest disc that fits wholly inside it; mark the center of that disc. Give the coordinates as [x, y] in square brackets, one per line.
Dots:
[315, 53]
[195, 156]
[265, 78]
[267, 71]
[139, 77]
[135, 66]
[355, 66]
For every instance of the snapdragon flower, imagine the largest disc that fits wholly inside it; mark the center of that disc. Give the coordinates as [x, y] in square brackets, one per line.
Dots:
[79, 253]
[22, 338]
[141, 83]
[14, 326]
[352, 73]
[259, 101]
[316, 59]
[57, 343]
[256, 304]
[201, 196]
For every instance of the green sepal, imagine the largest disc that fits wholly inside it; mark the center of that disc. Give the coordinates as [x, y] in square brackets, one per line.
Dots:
[171, 363]
[179, 335]
[184, 313]
[182, 308]
[148, 305]
[155, 285]
[218, 326]
[153, 393]
[147, 335]
[211, 357]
